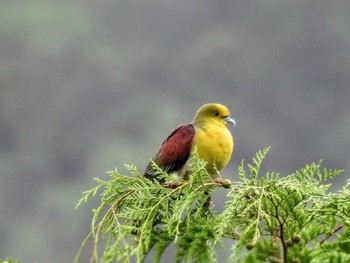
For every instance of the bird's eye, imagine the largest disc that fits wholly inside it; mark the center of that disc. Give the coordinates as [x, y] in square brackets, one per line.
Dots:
[216, 113]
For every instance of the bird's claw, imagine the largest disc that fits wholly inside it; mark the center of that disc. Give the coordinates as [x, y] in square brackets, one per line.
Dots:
[171, 185]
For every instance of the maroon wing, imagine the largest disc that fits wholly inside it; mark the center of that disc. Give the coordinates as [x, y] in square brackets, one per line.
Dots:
[174, 152]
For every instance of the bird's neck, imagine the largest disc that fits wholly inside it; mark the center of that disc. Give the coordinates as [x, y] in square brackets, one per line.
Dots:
[208, 125]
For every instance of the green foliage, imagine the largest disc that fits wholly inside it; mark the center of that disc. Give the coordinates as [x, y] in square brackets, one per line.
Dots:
[269, 218]
[9, 260]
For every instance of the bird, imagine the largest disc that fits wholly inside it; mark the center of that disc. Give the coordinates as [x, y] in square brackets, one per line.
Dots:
[207, 134]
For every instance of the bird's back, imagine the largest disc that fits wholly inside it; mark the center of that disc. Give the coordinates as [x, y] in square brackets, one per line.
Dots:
[174, 153]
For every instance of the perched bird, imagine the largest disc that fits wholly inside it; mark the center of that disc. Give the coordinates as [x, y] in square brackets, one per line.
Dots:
[207, 133]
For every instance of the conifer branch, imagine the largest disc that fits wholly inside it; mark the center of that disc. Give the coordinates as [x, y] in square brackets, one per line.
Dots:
[328, 236]
[276, 218]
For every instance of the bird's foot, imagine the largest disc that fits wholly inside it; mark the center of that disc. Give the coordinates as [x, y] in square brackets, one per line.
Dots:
[224, 183]
[171, 185]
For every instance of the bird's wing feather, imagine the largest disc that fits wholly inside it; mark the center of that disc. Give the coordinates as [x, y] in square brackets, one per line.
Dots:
[174, 152]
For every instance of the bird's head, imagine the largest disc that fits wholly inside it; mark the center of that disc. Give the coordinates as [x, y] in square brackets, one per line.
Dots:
[213, 113]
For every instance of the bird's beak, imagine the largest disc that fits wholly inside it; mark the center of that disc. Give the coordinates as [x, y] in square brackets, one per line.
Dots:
[230, 120]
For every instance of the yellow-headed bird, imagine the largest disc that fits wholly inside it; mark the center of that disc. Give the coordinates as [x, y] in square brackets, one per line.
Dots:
[207, 133]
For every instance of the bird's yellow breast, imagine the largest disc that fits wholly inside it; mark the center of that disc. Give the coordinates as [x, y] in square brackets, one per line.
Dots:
[214, 144]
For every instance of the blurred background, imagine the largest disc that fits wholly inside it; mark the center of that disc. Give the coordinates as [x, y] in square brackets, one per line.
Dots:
[86, 86]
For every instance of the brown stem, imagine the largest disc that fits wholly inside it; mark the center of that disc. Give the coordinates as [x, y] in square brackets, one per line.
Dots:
[334, 231]
[281, 229]
[284, 245]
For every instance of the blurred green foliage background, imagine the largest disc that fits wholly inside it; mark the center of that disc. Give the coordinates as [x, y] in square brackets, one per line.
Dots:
[86, 86]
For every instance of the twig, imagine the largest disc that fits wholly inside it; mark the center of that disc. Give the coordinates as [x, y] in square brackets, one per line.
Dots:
[334, 231]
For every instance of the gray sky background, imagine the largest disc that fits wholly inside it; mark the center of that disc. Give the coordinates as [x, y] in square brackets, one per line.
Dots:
[86, 86]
